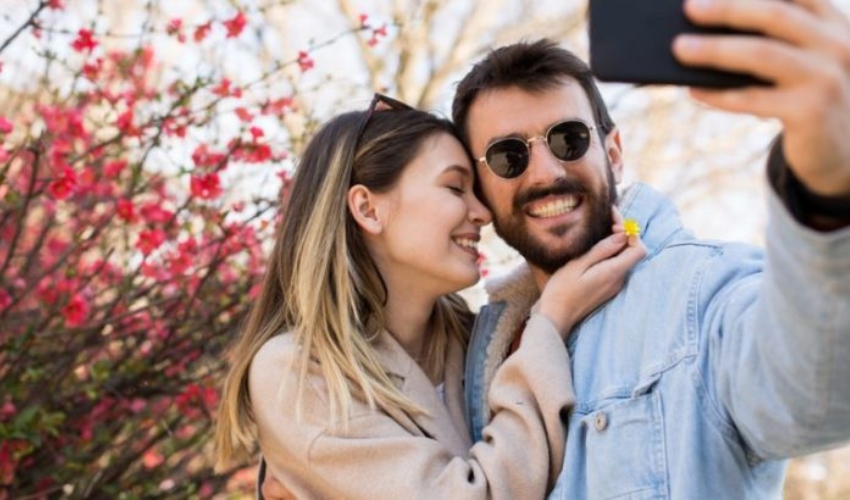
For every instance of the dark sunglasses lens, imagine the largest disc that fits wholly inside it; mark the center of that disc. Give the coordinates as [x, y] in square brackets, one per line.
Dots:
[569, 141]
[507, 158]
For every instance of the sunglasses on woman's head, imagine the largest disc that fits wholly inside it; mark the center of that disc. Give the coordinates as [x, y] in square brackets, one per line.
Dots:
[568, 141]
[380, 102]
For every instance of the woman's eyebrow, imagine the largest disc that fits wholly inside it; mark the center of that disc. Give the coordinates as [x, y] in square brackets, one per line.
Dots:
[463, 170]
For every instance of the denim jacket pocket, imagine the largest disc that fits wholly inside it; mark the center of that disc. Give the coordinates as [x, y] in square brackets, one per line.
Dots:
[626, 450]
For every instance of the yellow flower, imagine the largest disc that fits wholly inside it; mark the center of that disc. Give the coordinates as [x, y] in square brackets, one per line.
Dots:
[631, 227]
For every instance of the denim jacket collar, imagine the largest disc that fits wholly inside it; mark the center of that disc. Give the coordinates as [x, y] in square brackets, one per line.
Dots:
[656, 214]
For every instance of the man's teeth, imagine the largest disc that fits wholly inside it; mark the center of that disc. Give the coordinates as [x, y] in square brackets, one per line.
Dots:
[467, 243]
[554, 208]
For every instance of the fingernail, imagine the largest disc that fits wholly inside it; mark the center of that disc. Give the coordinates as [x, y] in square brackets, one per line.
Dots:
[686, 43]
[698, 4]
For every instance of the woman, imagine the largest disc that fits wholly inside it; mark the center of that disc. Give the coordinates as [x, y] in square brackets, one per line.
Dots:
[349, 372]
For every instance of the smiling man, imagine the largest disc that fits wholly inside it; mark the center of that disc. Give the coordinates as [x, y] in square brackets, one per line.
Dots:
[717, 361]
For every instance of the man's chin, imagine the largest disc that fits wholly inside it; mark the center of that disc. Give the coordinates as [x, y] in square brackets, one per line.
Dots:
[550, 255]
[550, 261]
[551, 252]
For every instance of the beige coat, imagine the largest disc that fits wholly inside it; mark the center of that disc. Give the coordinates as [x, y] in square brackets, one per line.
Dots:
[390, 454]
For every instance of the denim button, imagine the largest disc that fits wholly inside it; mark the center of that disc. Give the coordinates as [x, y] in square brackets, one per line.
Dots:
[601, 421]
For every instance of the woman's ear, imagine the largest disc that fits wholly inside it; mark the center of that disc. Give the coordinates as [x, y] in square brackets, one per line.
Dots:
[362, 204]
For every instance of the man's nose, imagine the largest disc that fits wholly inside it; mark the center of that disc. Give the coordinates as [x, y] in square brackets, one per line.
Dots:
[543, 166]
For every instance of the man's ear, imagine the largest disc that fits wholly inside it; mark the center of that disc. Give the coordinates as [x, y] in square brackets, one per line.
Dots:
[614, 152]
[362, 204]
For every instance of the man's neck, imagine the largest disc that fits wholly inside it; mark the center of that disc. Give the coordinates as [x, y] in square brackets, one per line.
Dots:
[540, 276]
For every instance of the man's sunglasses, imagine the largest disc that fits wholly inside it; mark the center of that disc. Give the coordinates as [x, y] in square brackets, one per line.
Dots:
[568, 141]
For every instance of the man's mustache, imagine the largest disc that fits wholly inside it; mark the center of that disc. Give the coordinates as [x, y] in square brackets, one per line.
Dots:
[561, 186]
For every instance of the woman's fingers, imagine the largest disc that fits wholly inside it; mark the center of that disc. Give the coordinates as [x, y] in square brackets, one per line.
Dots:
[618, 265]
[588, 281]
[604, 249]
[617, 216]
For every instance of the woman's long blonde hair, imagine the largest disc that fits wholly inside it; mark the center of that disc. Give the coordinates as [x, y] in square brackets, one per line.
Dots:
[321, 281]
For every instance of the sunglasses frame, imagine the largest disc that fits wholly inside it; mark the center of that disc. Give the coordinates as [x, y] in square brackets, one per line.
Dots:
[377, 100]
[527, 143]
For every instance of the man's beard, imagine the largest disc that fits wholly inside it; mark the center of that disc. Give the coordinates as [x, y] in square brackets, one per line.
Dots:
[597, 226]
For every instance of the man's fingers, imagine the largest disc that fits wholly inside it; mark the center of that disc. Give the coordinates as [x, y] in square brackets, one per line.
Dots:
[821, 8]
[757, 101]
[803, 38]
[786, 21]
[758, 56]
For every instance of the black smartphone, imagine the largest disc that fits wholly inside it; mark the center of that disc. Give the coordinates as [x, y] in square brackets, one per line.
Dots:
[630, 41]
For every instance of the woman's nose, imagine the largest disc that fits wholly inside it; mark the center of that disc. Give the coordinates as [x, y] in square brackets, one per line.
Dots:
[478, 213]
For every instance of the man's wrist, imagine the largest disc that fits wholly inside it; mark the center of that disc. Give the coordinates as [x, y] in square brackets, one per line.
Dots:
[823, 213]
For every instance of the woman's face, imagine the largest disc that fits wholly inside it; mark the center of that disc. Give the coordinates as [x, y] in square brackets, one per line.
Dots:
[431, 222]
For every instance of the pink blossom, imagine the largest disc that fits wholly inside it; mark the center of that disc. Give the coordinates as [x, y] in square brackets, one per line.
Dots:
[85, 41]
[76, 310]
[203, 157]
[278, 106]
[126, 210]
[243, 114]
[64, 185]
[305, 62]
[150, 240]
[235, 25]
[175, 28]
[8, 409]
[153, 213]
[206, 187]
[152, 459]
[202, 31]
[5, 125]
[5, 299]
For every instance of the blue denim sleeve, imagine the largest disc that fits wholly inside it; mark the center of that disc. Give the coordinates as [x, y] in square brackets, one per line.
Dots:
[776, 357]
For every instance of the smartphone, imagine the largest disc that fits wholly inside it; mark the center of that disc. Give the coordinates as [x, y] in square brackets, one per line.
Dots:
[630, 41]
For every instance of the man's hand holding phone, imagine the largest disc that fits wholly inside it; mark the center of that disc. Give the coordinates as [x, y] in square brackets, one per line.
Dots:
[805, 54]
[630, 41]
[785, 59]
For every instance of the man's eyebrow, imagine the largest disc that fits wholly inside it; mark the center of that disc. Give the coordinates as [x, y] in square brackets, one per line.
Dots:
[518, 135]
[509, 135]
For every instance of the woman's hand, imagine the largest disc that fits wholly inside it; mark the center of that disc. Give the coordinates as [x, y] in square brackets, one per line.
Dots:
[272, 489]
[585, 283]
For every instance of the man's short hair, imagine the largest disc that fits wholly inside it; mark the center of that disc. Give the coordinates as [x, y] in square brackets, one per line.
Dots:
[533, 67]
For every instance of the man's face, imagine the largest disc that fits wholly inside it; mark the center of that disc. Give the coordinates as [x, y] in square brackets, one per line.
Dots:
[555, 211]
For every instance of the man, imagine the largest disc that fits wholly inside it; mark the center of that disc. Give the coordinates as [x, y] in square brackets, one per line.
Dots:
[712, 364]
[716, 362]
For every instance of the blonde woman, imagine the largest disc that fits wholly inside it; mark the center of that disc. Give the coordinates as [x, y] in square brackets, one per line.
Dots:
[349, 372]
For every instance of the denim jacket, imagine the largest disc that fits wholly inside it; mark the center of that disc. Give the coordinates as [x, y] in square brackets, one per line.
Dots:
[715, 362]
